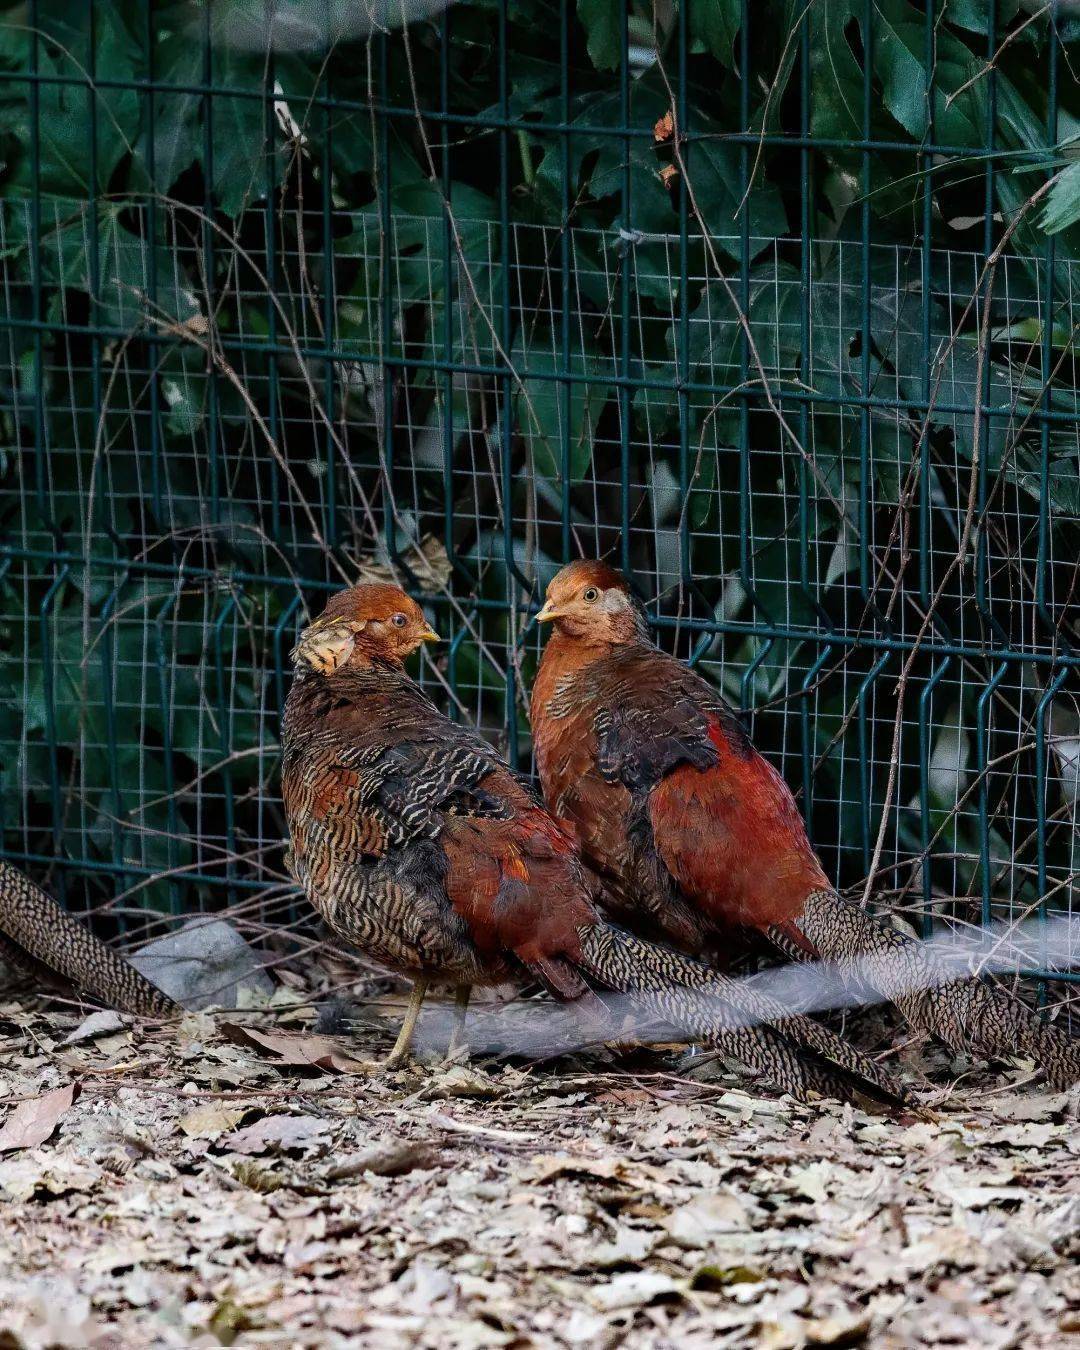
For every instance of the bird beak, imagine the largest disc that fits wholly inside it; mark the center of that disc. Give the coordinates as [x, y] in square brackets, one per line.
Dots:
[429, 634]
[548, 613]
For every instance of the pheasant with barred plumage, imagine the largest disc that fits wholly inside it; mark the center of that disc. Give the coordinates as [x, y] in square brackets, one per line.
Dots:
[694, 835]
[417, 844]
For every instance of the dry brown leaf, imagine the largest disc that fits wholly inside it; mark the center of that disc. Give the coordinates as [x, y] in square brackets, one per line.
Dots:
[429, 563]
[32, 1122]
[207, 1122]
[545, 1166]
[387, 1160]
[294, 1050]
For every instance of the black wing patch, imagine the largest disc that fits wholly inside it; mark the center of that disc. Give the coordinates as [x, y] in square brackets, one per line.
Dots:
[639, 746]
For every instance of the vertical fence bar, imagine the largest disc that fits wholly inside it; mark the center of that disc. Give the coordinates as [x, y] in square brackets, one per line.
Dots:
[745, 520]
[806, 229]
[166, 681]
[866, 779]
[515, 578]
[682, 373]
[625, 282]
[41, 475]
[329, 309]
[926, 162]
[107, 657]
[980, 540]
[982, 739]
[48, 691]
[1046, 353]
[565, 387]
[386, 302]
[270, 229]
[225, 740]
[153, 345]
[449, 309]
[208, 251]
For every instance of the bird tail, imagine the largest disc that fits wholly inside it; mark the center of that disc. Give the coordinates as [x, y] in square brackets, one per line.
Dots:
[968, 1014]
[38, 934]
[796, 1053]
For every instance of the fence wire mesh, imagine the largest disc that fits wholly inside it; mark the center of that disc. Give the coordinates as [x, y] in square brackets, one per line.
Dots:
[290, 302]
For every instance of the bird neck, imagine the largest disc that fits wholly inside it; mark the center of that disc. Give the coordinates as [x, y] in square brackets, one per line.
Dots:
[371, 656]
[566, 653]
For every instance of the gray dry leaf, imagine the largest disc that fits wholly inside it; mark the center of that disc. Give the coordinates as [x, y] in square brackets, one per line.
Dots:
[278, 1134]
[385, 1160]
[631, 1289]
[31, 1123]
[695, 1225]
[101, 1023]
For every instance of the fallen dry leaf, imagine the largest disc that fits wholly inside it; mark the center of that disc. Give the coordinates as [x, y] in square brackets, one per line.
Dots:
[277, 1133]
[294, 1050]
[207, 1122]
[32, 1122]
[696, 1224]
[101, 1023]
[429, 564]
[632, 1289]
[387, 1160]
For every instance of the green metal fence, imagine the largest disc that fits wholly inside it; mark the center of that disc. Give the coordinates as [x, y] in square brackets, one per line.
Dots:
[770, 303]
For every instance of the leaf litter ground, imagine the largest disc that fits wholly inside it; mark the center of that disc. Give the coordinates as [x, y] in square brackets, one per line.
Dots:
[244, 1179]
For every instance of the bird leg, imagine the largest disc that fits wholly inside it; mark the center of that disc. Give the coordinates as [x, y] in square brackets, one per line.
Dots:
[461, 1007]
[403, 1043]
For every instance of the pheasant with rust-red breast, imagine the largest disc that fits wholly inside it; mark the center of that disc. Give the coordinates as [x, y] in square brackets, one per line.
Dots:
[693, 835]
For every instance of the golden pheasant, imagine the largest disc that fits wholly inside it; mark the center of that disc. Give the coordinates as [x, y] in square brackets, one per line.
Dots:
[694, 835]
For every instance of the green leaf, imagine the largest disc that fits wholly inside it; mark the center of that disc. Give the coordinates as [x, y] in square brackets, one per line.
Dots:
[65, 116]
[176, 143]
[547, 411]
[123, 261]
[716, 174]
[603, 21]
[240, 126]
[1063, 201]
[715, 23]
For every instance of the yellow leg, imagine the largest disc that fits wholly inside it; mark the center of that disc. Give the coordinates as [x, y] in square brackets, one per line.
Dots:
[403, 1043]
[461, 1007]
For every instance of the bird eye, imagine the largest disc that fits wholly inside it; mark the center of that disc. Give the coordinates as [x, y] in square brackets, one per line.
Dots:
[399, 621]
[591, 594]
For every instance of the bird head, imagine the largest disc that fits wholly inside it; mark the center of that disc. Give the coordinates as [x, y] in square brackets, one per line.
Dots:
[591, 601]
[372, 621]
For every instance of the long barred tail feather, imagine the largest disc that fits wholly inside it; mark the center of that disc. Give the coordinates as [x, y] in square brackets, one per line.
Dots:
[796, 1053]
[41, 936]
[968, 1014]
